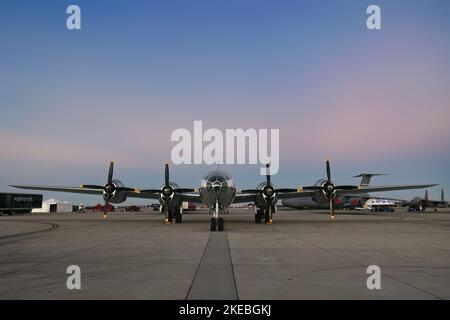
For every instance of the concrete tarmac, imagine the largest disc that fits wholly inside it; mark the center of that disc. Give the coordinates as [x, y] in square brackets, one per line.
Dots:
[302, 255]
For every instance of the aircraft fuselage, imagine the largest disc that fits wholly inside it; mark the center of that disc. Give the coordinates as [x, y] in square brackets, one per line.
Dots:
[217, 187]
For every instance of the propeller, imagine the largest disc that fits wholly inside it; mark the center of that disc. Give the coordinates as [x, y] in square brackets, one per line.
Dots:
[329, 189]
[167, 191]
[268, 188]
[269, 191]
[109, 188]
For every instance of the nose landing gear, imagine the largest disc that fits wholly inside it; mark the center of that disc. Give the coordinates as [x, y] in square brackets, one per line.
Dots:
[216, 222]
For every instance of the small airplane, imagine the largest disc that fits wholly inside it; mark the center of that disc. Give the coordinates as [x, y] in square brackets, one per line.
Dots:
[420, 204]
[217, 191]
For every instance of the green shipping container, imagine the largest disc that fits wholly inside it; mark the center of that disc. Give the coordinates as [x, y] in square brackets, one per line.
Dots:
[19, 202]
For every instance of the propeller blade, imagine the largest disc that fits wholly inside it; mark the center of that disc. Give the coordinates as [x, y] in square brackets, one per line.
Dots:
[91, 186]
[268, 173]
[345, 187]
[125, 189]
[167, 214]
[105, 208]
[270, 213]
[111, 170]
[151, 191]
[286, 190]
[251, 191]
[184, 190]
[332, 207]
[179, 190]
[328, 171]
[166, 174]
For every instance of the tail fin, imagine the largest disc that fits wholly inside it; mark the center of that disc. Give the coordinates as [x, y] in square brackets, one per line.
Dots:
[365, 177]
[425, 200]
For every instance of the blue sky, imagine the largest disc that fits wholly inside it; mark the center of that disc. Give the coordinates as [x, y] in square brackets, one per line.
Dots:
[71, 101]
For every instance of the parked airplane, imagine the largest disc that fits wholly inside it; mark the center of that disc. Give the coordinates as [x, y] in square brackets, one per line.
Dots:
[217, 191]
[420, 204]
[342, 201]
[366, 177]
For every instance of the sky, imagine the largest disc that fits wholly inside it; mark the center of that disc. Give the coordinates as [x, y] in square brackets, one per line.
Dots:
[368, 100]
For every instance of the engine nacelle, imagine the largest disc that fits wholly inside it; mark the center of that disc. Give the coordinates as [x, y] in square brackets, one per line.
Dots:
[115, 196]
[319, 196]
[174, 198]
[261, 198]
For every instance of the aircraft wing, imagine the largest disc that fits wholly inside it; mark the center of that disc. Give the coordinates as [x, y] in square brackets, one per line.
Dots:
[144, 195]
[191, 197]
[60, 189]
[244, 197]
[435, 203]
[367, 189]
[299, 194]
[250, 197]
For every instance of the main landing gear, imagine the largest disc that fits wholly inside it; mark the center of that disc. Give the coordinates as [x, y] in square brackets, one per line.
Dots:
[259, 215]
[216, 222]
[178, 215]
[217, 225]
[173, 214]
[265, 214]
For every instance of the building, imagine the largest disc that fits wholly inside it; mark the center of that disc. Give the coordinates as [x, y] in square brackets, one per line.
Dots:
[52, 205]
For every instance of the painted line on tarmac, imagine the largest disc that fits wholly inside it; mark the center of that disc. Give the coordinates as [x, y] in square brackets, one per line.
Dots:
[214, 278]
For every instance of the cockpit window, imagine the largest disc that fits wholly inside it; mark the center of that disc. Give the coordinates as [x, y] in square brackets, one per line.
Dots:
[217, 178]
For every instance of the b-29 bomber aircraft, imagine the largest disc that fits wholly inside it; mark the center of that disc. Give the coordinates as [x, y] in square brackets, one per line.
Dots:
[218, 191]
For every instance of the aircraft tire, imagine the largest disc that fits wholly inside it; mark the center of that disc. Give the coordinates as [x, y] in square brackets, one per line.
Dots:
[178, 217]
[213, 224]
[266, 216]
[259, 215]
[220, 224]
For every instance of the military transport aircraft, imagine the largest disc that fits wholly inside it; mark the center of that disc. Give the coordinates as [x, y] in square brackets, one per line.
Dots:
[217, 191]
[342, 201]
